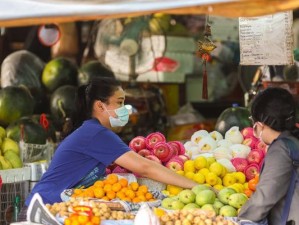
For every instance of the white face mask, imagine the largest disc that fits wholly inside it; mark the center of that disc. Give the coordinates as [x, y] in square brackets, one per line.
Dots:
[260, 134]
[122, 116]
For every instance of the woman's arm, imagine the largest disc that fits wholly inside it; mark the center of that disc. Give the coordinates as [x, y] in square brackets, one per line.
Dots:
[153, 170]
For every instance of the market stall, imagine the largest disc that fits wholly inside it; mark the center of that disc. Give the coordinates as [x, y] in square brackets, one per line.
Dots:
[226, 157]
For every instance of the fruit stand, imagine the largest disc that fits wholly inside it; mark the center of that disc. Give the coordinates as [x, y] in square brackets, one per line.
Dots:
[225, 159]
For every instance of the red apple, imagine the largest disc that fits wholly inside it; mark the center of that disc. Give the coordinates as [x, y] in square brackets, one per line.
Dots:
[255, 156]
[119, 169]
[153, 139]
[153, 158]
[247, 132]
[261, 145]
[251, 170]
[184, 157]
[175, 164]
[163, 151]
[179, 146]
[108, 171]
[137, 143]
[250, 141]
[239, 163]
[144, 152]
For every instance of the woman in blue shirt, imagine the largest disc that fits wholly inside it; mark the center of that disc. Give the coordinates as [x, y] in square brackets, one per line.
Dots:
[82, 157]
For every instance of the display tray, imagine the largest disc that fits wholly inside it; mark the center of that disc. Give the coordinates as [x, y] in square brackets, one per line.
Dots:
[15, 175]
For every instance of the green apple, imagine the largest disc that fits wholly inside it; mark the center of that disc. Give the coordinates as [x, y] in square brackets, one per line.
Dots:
[237, 200]
[177, 204]
[228, 211]
[217, 204]
[205, 197]
[187, 196]
[167, 203]
[210, 160]
[198, 188]
[191, 206]
[209, 207]
[223, 194]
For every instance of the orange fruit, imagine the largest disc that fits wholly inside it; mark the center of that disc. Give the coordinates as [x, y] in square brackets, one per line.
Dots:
[252, 184]
[75, 222]
[257, 177]
[67, 221]
[107, 187]
[89, 193]
[99, 192]
[112, 178]
[148, 195]
[130, 194]
[134, 186]
[248, 192]
[143, 188]
[142, 198]
[120, 195]
[99, 183]
[127, 199]
[110, 194]
[123, 182]
[105, 198]
[82, 219]
[116, 187]
[78, 191]
[136, 200]
[89, 223]
[95, 220]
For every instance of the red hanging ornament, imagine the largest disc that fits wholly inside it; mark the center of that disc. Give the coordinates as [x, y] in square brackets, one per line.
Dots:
[205, 47]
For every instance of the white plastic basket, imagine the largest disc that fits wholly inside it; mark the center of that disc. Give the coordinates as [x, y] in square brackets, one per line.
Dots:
[36, 152]
[15, 175]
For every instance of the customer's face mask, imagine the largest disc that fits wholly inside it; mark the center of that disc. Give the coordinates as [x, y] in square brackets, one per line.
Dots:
[259, 136]
[122, 118]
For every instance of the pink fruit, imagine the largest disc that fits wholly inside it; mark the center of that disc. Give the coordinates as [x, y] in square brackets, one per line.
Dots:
[184, 157]
[250, 141]
[261, 145]
[119, 169]
[175, 164]
[108, 171]
[137, 143]
[239, 163]
[144, 152]
[153, 158]
[179, 146]
[163, 151]
[247, 132]
[251, 170]
[153, 139]
[255, 156]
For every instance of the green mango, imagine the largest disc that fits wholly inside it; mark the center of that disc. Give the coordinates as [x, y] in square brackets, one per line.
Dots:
[14, 159]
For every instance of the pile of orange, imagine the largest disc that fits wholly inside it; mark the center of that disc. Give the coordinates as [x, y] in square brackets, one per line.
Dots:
[76, 219]
[252, 185]
[114, 188]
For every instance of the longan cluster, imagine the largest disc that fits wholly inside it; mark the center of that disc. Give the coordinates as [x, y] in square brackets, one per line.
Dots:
[99, 209]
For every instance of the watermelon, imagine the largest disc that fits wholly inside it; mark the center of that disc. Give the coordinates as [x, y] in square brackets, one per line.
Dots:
[233, 116]
[58, 72]
[92, 69]
[15, 102]
[31, 131]
[22, 68]
[62, 103]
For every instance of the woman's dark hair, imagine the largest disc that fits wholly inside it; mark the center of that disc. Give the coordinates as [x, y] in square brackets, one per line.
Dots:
[276, 108]
[99, 88]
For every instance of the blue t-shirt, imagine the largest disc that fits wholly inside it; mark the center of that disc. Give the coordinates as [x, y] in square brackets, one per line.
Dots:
[80, 158]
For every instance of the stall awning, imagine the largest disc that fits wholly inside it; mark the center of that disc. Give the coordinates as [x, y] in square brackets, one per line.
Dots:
[32, 12]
